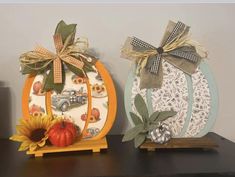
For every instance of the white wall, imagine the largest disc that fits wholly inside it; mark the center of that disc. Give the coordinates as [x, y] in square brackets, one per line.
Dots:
[107, 26]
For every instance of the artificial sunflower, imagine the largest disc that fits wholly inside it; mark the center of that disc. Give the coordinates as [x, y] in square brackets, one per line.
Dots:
[33, 132]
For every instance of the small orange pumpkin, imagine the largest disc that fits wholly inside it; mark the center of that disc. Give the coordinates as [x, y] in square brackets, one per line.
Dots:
[63, 133]
[36, 110]
[95, 116]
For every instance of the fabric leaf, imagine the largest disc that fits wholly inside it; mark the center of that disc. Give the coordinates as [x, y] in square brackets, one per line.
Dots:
[49, 82]
[66, 30]
[139, 139]
[141, 107]
[88, 66]
[165, 115]
[153, 116]
[75, 70]
[136, 119]
[132, 133]
[152, 126]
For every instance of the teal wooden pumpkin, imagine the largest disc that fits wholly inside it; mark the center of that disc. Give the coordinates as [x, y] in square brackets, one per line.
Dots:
[194, 98]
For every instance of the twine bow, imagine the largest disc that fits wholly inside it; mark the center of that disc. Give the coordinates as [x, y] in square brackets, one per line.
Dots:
[176, 48]
[68, 52]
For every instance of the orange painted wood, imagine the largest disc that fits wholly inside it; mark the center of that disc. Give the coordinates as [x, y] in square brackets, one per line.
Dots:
[93, 145]
[112, 100]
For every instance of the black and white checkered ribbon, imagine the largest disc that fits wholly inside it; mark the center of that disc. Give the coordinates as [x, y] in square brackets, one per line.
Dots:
[153, 65]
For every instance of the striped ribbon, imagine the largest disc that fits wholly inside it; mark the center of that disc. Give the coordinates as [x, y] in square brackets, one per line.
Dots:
[153, 65]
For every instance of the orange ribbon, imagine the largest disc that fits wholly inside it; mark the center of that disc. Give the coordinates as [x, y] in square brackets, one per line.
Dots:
[61, 55]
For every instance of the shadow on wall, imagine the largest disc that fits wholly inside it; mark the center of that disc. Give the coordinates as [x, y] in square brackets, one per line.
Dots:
[6, 111]
[120, 121]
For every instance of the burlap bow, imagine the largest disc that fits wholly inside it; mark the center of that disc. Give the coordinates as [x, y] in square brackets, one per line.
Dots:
[68, 53]
[176, 48]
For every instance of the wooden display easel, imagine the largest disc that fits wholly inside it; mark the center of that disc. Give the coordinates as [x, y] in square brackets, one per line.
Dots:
[93, 145]
[181, 143]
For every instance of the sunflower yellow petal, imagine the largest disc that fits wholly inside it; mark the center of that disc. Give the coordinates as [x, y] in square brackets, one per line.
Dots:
[27, 126]
[18, 138]
[42, 143]
[22, 130]
[26, 123]
[32, 146]
[24, 146]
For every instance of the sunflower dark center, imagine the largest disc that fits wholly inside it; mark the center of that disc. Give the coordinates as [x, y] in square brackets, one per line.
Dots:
[37, 134]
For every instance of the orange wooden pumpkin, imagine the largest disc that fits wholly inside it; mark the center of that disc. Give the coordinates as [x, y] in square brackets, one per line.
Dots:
[77, 98]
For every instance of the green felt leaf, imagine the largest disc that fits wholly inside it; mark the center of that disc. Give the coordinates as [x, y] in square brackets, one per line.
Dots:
[88, 68]
[152, 126]
[66, 30]
[49, 82]
[153, 116]
[136, 119]
[139, 139]
[165, 115]
[132, 133]
[145, 128]
[141, 107]
[75, 70]
[27, 70]
[92, 62]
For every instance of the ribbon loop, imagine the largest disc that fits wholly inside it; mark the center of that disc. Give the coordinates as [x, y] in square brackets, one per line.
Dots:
[58, 42]
[73, 61]
[141, 44]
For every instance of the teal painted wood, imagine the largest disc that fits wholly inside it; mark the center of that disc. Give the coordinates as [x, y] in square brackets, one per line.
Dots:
[204, 67]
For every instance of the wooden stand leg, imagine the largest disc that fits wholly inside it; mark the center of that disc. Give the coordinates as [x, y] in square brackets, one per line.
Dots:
[38, 154]
[95, 150]
[151, 149]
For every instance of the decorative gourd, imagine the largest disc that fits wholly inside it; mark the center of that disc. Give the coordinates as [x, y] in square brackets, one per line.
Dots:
[63, 133]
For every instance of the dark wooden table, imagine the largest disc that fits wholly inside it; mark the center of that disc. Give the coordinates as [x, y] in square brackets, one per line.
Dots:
[121, 159]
